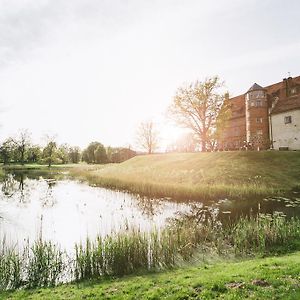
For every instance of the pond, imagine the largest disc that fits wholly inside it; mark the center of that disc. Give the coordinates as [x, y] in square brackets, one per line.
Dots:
[67, 211]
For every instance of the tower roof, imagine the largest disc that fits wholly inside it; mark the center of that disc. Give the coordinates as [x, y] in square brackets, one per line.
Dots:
[255, 87]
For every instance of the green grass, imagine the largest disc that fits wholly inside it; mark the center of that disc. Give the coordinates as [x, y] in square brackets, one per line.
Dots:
[200, 176]
[43, 264]
[223, 280]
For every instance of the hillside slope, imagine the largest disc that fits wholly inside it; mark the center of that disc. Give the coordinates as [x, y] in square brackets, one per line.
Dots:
[200, 175]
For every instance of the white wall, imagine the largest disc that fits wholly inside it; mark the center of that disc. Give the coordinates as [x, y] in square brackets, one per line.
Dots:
[286, 135]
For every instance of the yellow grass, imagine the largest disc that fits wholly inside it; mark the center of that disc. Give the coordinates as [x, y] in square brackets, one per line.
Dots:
[199, 175]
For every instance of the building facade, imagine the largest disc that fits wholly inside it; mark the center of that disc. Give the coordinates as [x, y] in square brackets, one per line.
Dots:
[264, 117]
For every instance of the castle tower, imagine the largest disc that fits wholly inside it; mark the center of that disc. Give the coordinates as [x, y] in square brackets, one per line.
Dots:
[257, 122]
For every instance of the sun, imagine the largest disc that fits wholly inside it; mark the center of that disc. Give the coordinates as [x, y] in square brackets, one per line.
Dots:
[168, 135]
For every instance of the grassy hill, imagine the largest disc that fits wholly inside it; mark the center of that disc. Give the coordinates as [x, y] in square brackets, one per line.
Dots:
[265, 278]
[200, 175]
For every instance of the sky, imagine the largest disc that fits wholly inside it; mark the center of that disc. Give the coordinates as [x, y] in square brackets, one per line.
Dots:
[92, 70]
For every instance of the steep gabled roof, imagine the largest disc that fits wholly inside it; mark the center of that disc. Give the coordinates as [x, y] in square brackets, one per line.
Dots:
[255, 87]
[286, 104]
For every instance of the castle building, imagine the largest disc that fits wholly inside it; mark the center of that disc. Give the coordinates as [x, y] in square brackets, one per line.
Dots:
[264, 118]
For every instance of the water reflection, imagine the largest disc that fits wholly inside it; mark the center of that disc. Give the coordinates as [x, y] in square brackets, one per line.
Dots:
[227, 211]
[70, 210]
[19, 188]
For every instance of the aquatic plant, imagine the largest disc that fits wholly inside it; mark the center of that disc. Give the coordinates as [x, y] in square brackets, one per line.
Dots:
[130, 251]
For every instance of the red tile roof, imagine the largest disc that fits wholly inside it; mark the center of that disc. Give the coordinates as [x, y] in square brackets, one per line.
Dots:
[283, 104]
[287, 104]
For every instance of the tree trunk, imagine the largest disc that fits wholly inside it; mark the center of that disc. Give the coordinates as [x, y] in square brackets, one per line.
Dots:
[203, 145]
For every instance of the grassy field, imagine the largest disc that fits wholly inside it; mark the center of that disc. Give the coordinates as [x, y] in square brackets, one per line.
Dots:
[265, 278]
[200, 175]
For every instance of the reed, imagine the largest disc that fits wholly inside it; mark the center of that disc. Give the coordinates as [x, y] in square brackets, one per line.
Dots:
[39, 265]
[43, 264]
[261, 234]
[10, 267]
[133, 251]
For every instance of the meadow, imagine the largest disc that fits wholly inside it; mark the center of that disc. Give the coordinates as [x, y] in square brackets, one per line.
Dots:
[199, 176]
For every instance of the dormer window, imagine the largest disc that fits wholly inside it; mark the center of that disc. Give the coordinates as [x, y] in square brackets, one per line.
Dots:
[287, 119]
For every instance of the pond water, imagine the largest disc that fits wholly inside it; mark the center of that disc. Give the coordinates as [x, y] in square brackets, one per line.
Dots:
[67, 211]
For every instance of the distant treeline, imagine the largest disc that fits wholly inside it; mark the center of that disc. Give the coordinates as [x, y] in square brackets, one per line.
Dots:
[20, 150]
[96, 153]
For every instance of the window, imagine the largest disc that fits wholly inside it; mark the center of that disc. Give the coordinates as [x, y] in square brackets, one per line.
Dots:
[258, 103]
[259, 132]
[287, 119]
[252, 103]
[260, 94]
[259, 120]
[293, 91]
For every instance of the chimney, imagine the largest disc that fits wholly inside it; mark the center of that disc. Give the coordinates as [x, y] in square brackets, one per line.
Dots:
[226, 96]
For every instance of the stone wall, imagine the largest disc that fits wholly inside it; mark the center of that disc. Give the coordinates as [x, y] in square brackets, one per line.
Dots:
[286, 135]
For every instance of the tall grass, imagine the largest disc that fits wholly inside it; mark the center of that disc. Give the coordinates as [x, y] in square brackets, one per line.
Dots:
[39, 265]
[199, 175]
[10, 267]
[182, 191]
[43, 264]
[261, 234]
[129, 252]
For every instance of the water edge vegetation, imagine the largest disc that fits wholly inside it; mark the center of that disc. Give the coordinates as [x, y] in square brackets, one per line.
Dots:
[200, 176]
[44, 264]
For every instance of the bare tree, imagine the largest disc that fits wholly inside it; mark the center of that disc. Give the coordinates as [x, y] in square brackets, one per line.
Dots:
[147, 136]
[197, 106]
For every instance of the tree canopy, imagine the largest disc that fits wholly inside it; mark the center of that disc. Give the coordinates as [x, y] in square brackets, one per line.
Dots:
[197, 106]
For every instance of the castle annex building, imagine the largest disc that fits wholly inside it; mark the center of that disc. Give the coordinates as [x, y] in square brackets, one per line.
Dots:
[265, 117]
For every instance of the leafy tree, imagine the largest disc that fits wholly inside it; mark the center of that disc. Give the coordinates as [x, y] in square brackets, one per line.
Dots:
[7, 151]
[21, 145]
[94, 153]
[89, 153]
[217, 132]
[100, 155]
[34, 154]
[197, 107]
[147, 136]
[63, 153]
[74, 154]
[49, 152]
[109, 152]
